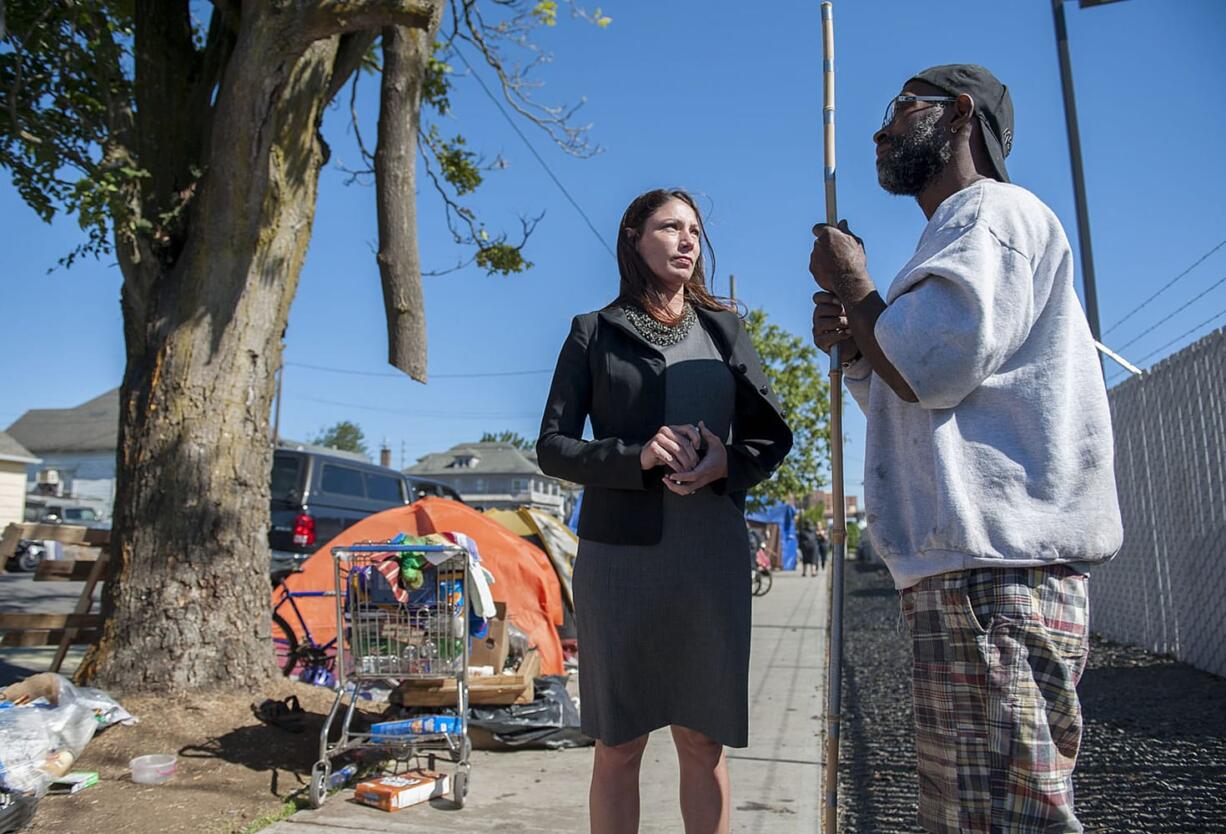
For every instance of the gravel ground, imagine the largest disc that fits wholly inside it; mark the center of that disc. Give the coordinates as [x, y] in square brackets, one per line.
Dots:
[1153, 754]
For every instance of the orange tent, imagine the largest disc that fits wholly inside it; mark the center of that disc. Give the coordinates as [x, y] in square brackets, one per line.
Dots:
[524, 578]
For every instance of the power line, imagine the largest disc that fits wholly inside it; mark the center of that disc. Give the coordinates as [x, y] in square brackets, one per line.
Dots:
[539, 158]
[408, 411]
[1219, 314]
[1185, 334]
[1171, 315]
[479, 375]
[1164, 288]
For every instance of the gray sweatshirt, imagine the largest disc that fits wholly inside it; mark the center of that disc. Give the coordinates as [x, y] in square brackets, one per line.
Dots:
[1007, 458]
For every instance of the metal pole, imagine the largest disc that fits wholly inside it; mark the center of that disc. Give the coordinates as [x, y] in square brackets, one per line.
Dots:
[1079, 182]
[838, 535]
[732, 286]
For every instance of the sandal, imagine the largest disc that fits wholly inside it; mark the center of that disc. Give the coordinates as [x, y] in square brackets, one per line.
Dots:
[284, 715]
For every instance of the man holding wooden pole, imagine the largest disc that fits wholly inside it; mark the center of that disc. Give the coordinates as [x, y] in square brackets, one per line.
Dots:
[989, 473]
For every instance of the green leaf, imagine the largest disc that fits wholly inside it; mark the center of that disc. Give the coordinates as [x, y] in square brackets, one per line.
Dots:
[794, 371]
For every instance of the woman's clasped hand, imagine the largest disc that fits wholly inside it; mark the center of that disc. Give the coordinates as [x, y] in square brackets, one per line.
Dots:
[694, 454]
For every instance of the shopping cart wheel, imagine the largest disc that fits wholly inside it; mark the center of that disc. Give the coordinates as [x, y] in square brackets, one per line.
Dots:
[319, 783]
[459, 786]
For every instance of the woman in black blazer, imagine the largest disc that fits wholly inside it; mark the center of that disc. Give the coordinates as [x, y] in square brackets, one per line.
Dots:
[683, 424]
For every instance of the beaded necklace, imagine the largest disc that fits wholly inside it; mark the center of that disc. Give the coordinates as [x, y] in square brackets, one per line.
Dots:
[655, 331]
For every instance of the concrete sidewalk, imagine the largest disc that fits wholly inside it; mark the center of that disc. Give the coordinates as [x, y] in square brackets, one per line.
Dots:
[776, 781]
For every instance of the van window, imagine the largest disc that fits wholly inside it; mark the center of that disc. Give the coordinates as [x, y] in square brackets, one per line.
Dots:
[341, 480]
[286, 476]
[383, 488]
[79, 514]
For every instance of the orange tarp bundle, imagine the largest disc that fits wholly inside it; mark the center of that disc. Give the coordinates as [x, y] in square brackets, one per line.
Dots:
[523, 577]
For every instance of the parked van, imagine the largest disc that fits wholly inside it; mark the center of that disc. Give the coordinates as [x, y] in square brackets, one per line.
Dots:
[317, 494]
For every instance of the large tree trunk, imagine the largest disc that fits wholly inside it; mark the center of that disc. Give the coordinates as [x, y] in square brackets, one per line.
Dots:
[187, 597]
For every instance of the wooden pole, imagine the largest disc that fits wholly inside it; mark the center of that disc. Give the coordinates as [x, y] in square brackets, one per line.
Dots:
[838, 535]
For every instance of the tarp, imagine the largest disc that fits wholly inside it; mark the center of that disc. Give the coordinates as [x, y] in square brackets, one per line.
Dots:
[785, 516]
[549, 534]
[573, 521]
[524, 577]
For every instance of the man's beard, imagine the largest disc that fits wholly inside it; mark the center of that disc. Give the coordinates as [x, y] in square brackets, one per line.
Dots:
[917, 158]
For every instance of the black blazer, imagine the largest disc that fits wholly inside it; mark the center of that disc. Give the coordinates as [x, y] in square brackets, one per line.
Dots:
[609, 372]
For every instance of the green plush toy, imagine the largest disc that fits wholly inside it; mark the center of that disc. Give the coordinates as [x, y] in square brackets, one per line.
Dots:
[411, 565]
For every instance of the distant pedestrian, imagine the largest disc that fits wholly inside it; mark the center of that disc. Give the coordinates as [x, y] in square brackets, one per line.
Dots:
[808, 543]
[822, 547]
[988, 458]
[662, 603]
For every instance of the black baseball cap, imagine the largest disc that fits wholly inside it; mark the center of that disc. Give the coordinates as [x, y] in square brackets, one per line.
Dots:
[993, 105]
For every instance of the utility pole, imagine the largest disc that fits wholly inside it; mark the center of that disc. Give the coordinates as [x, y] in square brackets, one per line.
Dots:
[1074, 147]
[732, 286]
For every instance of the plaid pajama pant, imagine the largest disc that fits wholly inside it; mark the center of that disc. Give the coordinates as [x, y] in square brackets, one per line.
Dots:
[998, 653]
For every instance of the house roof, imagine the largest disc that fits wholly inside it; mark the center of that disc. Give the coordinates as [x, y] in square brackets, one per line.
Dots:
[14, 452]
[92, 426]
[303, 446]
[476, 459]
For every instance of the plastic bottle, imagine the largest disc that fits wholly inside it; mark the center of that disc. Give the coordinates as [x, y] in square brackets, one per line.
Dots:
[341, 777]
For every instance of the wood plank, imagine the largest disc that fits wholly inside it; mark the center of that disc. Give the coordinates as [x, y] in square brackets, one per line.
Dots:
[84, 603]
[64, 570]
[69, 534]
[51, 637]
[8, 541]
[24, 622]
[98, 538]
[489, 689]
[66, 533]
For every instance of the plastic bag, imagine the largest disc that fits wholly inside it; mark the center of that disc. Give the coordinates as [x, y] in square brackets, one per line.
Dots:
[105, 709]
[551, 720]
[518, 641]
[46, 727]
[25, 744]
[57, 690]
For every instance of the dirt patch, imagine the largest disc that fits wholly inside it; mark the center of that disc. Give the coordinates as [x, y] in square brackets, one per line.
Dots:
[232, 768]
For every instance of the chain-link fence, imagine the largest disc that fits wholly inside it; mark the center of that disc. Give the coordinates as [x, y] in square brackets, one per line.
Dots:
[1166, 590]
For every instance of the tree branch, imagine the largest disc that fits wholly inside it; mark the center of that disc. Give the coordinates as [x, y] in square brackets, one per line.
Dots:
[166, 63]
[336, 17]
[405, 54]
[218, 47]
[470, 26]
[349, 55]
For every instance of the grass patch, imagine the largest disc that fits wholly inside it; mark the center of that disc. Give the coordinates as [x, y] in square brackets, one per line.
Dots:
[287, 810]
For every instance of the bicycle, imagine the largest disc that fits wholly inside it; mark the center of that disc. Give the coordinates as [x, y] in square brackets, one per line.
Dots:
[760, 575]
[315, 661]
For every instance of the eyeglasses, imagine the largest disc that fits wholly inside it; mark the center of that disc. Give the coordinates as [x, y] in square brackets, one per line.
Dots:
[897, 100]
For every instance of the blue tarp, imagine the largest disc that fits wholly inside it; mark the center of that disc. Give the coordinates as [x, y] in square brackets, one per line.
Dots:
[782, 514]
[785, 516]
[573, 524]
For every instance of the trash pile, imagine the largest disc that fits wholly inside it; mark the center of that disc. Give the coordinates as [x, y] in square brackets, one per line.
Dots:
[45, 723]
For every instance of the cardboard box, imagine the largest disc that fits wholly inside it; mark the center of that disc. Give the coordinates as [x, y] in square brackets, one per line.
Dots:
[73, 782]
[392, 793]
[492, 649]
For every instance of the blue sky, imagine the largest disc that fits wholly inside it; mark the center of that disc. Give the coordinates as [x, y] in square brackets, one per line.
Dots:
[726, 103]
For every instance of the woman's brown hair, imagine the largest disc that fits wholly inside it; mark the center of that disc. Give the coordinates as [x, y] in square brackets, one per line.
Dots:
[639, 285]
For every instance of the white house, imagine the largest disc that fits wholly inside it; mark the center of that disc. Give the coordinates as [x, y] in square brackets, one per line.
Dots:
[14, 458]
[78, 444]
[494, 476]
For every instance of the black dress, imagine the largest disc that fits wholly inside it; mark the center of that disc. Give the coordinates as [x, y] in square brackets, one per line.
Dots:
[664, 629]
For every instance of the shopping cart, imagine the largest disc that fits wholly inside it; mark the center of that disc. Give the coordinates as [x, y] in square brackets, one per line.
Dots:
[387, 631]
